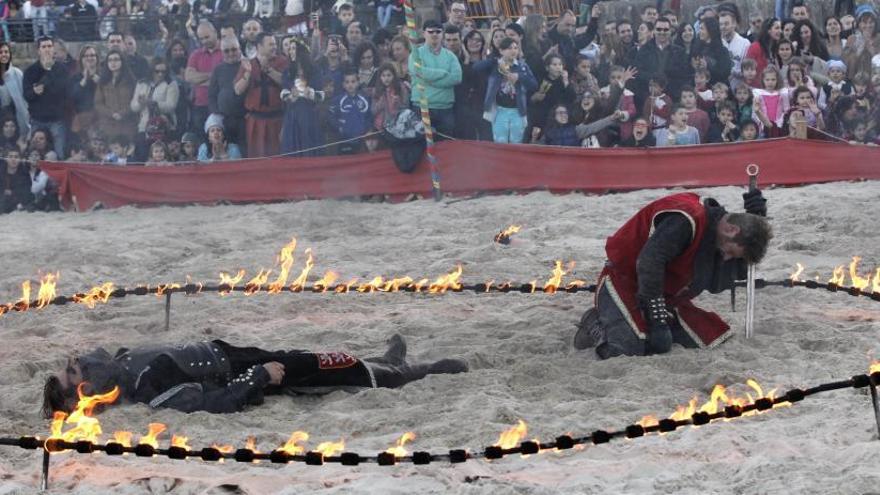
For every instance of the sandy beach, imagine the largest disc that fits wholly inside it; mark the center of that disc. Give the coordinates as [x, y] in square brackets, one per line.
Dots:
[518, 347]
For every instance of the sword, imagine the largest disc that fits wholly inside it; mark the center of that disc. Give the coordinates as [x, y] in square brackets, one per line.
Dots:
[752, 171]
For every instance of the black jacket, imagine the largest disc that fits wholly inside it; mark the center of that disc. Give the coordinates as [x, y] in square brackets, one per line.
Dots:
[45, 107]
[190, 377]
[671, 62]
[221, 95]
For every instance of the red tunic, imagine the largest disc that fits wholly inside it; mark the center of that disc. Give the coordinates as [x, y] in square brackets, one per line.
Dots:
[620, 276]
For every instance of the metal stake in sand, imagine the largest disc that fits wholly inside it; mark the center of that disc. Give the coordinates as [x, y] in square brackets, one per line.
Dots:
[44, 479]
[752, 171]
[874, 400]
[167, 310]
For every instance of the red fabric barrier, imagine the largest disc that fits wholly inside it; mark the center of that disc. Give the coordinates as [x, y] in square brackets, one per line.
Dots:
[465, 167]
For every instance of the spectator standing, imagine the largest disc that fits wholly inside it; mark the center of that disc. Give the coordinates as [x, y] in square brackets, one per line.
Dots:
[137, 64]
[45, 88]
[470, 93]
[400, 52]
[222, 98]
[155, 100]
[864, 43]
[158, 155]
[390, 96]
[259, 80]
[506, 102]
[710, 53]
[763, 50]
[113, 98]
[4, 19]
[457, 14]
[641, 135]
[660, 57]
[81, 90]
[736, 45]
[567, 41]
[301, 95]
[10, 136]
[199, 67]
[365, 59]
[436, 76]
[11, 90]
[350, 114]
[83, 21]
[249, 32]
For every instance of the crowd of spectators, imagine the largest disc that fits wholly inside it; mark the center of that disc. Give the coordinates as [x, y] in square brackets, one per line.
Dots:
[225, 87]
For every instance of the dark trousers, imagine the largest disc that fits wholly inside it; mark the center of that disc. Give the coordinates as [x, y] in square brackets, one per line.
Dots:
[442, 120]
[301, 368]
[620, 338]
[197, 119]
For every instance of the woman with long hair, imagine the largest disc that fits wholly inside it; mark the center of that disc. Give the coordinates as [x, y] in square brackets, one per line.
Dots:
[534, 43]
[763, 50]
[301, 95]
[709, 52]
[113, 97]
[494, 50]
[11, 89]
[400, 50]
[834, 43]
[10, 137]
[81, 89]
[365, 60]
[685, 38]
[864, 43]
[176, 56]
[155, 101]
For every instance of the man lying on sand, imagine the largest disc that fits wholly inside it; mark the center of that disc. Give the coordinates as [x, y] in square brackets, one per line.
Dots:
[668, 253]
[218, 377]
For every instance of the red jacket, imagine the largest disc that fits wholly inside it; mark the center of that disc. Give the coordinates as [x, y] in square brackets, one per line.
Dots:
[620, 275]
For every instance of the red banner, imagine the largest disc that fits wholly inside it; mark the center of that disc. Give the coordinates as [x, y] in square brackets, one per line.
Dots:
[465, 167]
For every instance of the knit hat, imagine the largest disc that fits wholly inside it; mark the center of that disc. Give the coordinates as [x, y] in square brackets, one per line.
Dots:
[835, 64]
[865, 9]
[189, 137]
[214, 120]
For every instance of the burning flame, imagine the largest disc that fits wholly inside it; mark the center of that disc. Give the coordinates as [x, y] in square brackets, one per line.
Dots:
[85, 425]
[291, 446]
[251, 444]
[875, 287]
[154, 430]
[796, 275]
[326, 281]
[511, 437]
[839, 277]
[857, 280]
[179, 441]
[255, 284]
[371, 286]
[509, 231]
[122, 438]
[300, 281]
[553, 283]
[446, 282]
[47, 290]
[25, 302]
[161, 289]
[647, 421]
[574, 284]
[328, 449]
[875, 367]
[226, 279]
[398, 450]
[285, 259]
[343, 288]
[98, 293]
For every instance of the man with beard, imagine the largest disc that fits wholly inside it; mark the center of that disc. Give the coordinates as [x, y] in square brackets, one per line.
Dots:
[217, 377]
[660, 57]
[259, 81]
[668, 253]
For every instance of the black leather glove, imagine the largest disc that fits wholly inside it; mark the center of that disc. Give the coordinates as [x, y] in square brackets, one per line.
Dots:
[659, 339]
[755, 203]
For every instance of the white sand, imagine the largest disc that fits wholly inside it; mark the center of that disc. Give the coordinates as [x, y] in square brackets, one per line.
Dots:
[518, 347]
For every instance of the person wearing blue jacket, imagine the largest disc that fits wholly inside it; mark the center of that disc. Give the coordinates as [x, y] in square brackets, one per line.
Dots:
[507, 92]
[435, 71]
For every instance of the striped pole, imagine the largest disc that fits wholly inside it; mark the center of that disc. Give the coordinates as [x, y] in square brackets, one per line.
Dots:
[423, 101]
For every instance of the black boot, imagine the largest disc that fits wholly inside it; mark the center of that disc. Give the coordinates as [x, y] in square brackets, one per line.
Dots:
[394, 376]
[396, 353]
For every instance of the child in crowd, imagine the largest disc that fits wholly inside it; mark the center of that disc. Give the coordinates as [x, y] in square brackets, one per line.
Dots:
[15, 183]
[559, 130]
[158, 155]
[510, 81]
[120, 151]
[750, 73]
[837, 84]
[770, 104]
[76, 152]
[583, 79]
[679, 132]
[642, 137]
[797, 76]
[705, 97]
[695, 117]
[627, 103]
[390, 96]
[189, 147]
[802, 100]
[744, 99]
[720, 94]
[658, 105]
[350, 114]
[344, 17]
[725, 129]
[859, 134]
[748, 131]
[554, 89]
[861, 84]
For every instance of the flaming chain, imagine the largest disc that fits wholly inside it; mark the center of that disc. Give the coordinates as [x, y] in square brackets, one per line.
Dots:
[83, 436]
